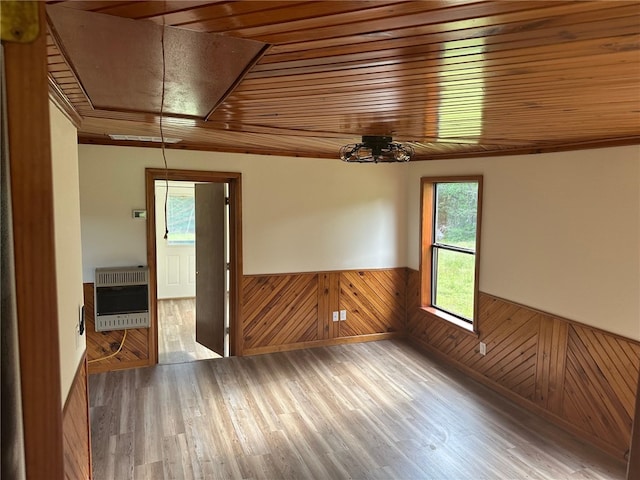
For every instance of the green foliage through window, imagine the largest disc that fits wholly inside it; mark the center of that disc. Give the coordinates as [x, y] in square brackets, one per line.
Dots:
[455, 273]
[454, 245]
[456, 214]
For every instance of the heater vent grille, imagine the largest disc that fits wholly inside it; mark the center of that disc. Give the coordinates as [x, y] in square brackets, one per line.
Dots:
[122, 322]
[110, 277]
[121, 298]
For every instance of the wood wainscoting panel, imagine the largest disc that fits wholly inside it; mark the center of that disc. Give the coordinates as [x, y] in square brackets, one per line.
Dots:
[290, 311]
[550, 365]
[134, 353]
[510, 334]
[328, 302]
[375, 301]
[583, 378]
[76, 433]
[279, 310]
[601, 371]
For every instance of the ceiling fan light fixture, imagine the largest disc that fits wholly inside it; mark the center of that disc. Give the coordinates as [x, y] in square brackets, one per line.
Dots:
[376, 149]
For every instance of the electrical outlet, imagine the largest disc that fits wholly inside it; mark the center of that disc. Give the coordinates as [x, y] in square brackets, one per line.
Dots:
[343, 315]
[483, 348]
[335, 316]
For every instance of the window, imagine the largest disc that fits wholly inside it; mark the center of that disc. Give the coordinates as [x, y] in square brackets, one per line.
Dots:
[181, 216]
[451, 211]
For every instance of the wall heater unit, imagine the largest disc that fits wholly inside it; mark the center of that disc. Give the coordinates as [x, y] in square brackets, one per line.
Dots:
[121, 298]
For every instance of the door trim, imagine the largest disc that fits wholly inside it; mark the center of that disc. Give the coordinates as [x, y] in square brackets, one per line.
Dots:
[234, 179]
[34, 255]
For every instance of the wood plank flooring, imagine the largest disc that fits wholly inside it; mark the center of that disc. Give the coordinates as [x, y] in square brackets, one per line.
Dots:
[375, 410]
[176, 332]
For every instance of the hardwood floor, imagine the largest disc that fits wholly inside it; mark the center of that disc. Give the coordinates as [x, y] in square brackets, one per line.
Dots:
[370, 410]
[176, 332]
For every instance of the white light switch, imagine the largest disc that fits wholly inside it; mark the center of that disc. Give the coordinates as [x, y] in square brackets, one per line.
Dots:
[343, 315]
[335, 316]
[483, 348]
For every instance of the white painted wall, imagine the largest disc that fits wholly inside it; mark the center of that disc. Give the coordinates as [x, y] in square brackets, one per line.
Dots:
[560, 231]
[298, 214]
[66, 209]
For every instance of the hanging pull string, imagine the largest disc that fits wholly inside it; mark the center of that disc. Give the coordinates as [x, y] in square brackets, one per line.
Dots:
[162, 146]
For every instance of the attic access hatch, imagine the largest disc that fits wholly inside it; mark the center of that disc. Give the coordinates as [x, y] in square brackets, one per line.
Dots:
[118, 62]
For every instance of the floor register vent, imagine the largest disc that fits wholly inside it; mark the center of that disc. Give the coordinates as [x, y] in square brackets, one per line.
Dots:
[121, 298]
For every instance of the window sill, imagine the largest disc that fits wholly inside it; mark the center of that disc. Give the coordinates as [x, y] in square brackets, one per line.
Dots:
[461, 324]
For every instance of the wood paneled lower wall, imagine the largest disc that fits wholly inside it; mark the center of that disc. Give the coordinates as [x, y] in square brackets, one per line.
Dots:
[288, 311]
[582, 378]
[76, 441]
[134, 353]
[283, 312]
[375, 302]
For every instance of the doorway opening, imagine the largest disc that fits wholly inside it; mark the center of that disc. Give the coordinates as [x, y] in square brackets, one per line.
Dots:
[194, 259]
[177, 273]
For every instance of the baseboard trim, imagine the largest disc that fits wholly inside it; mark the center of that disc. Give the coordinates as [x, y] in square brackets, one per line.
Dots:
[323, 343]
[110, 367]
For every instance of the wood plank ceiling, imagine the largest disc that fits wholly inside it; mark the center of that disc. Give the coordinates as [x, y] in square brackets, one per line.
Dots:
[455, 78]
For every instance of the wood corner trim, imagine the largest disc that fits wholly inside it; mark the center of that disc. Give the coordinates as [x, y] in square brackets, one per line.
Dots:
[63, 104]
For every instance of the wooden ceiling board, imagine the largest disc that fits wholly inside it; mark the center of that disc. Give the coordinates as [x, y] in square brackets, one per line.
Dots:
[447, 37]
[317, 15]
[467, 16]
[233, 13]
[526, 83]
[92, 5]
[625, 39]
[455, 78]
[288, 16]
[443, 70]
[153, 9]
[458, 90]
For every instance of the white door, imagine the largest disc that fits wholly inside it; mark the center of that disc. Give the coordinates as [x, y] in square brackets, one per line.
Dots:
[176, 255]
